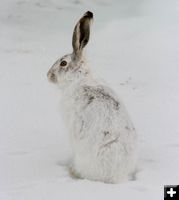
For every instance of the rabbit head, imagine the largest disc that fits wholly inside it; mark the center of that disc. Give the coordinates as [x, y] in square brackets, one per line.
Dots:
[72, 65]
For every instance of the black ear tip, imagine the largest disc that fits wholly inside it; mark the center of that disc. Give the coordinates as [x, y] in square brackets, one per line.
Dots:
[88, 14]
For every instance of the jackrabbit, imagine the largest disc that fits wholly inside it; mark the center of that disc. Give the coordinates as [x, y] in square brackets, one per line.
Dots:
[102, 136]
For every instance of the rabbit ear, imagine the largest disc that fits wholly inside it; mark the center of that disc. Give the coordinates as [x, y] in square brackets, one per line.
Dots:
[81, 34]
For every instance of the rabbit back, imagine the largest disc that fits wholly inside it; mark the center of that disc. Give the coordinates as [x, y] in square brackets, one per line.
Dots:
[102, 135]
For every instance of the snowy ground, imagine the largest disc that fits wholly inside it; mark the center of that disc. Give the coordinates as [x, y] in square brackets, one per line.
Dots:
[134, 46]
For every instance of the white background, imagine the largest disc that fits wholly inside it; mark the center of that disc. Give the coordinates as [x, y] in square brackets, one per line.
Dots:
[134, 46]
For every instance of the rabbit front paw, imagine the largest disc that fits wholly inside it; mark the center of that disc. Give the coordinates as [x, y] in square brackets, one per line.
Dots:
[73, 173]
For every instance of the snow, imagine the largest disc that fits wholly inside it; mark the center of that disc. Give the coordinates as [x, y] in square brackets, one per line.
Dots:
[134, 47]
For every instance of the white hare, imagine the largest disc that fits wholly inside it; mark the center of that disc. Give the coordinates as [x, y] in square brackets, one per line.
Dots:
[102, 136]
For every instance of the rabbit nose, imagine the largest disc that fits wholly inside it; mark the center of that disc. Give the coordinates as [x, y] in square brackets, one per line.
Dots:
[51, 76]
[48, 74]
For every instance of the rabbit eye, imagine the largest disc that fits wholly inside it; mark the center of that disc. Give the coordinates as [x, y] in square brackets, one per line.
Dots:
[63, 63]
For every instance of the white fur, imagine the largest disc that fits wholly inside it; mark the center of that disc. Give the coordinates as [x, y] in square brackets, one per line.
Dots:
[109, 158]
[102, 136]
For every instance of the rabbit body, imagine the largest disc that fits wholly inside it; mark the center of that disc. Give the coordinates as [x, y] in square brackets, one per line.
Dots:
[102, 136]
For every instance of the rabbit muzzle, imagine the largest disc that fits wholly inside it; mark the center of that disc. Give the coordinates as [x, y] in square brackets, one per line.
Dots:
[51, 76]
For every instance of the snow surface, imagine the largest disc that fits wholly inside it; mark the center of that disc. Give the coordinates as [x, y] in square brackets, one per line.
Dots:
[134, 47]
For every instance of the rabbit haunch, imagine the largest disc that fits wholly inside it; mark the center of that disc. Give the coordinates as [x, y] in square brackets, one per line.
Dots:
[102, 136]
